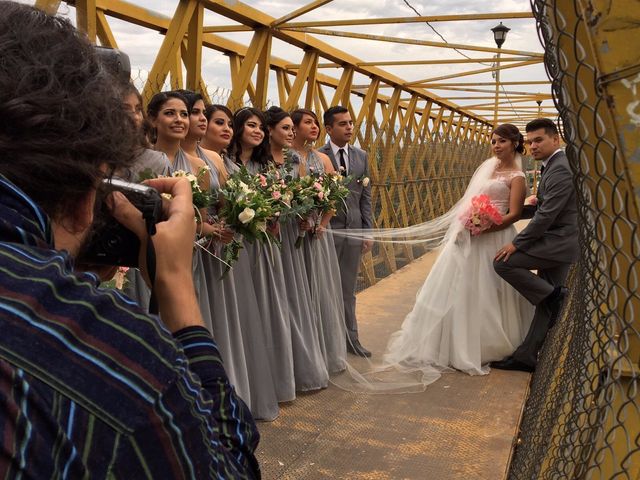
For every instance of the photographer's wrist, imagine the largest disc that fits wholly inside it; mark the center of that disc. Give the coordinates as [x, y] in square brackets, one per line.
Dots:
[177, 301]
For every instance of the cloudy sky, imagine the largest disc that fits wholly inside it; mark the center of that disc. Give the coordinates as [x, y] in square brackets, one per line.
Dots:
[142, 45]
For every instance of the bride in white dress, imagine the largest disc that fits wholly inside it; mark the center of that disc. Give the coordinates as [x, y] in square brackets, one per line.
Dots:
[465, 315]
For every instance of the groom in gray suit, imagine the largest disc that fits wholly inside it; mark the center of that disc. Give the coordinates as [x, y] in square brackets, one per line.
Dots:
[549, 244]
[349, 160]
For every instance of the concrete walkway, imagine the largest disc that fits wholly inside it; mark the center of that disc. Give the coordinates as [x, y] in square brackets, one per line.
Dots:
[461, 427]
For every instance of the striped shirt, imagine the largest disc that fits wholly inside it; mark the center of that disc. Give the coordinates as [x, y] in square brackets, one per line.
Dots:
[93, 387]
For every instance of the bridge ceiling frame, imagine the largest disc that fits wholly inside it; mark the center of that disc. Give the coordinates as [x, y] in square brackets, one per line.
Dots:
[302, 84]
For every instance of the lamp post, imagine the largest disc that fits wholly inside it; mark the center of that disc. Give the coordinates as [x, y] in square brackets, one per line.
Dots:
[499, 35]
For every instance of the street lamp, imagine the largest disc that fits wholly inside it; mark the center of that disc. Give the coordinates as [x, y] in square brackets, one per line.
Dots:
[499, 35]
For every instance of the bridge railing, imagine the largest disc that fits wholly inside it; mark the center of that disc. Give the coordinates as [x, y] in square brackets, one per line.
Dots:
[582, 417]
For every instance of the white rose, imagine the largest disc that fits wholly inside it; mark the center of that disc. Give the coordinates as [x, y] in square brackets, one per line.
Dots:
[246, 215]
[244, 187]
[365, 182]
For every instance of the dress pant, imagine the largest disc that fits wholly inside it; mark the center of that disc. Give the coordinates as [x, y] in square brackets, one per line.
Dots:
[349, 252]
[535, 288]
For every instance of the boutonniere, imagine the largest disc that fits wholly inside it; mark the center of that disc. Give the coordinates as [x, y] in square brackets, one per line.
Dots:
[364, 180]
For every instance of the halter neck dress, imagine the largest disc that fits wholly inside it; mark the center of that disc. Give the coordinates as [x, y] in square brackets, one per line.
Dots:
[310, 368]
[268, 281]
[226, 325]
[323, 276]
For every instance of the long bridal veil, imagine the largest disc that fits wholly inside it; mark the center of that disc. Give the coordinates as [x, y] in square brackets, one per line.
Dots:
[446, 233]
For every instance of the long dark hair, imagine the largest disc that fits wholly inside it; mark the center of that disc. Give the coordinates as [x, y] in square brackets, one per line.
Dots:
[145, 130]
[62, 117]
[261, 153]
[511, 132]
[156, 103]
[191, 97]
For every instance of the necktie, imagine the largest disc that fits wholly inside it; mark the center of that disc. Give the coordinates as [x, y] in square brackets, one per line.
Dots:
[343, 163]
[541, 170]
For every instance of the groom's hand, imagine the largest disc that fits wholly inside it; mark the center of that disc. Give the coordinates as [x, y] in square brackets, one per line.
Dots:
[505, 252]
[366, 245]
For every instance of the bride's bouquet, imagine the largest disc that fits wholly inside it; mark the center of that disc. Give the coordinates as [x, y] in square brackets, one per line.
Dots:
[480, 215]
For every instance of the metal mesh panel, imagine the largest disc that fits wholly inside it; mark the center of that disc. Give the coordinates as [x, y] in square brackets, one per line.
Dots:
[582, 418]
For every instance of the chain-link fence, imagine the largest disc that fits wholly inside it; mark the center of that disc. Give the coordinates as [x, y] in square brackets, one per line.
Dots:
[582, 416]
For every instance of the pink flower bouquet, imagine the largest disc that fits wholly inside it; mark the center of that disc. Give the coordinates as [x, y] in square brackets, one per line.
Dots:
[480, 215]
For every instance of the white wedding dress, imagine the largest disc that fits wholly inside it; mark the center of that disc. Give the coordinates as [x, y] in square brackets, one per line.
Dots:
[465, 315]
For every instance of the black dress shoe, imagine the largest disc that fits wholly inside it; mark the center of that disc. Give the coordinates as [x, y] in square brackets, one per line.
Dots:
[357, 349]
[511, 363]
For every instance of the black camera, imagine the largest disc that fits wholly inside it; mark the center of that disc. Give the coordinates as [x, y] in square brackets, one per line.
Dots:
[109, 242]
[116, 62]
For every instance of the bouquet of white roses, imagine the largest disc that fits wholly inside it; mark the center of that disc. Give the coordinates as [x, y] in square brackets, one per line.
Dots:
[201, 198]
[247, 207]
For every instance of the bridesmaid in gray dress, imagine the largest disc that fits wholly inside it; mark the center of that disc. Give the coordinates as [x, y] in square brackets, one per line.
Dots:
[240, 295]
[321, 260]
[135, 286]
[169, 116]
[308, 360]
[249, 148]
[226, 325]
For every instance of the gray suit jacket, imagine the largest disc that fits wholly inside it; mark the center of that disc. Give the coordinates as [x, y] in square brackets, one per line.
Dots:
[358, 211]
[552, 233]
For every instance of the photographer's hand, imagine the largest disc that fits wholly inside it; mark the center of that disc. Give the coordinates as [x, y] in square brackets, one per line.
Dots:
[173, 244]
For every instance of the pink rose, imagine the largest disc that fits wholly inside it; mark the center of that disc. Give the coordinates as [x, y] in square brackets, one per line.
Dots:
[320, 195]
[276, 195]
[317, 186]
[263, 181]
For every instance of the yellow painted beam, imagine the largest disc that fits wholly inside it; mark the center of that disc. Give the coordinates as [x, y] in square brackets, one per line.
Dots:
[367, 111]
[247, 67]
[418, 19]
[175, 70]
[409, 41]
[486, 84]
[86, 18]
[234, 67]
[424, 82]
[299, 12]
[170, 49]
[49, 6]
[193, 59]
[262, 74]
[226, 28]
[240, 12]
[312, 85]
[342, 93]
[284, 87]
[310, 59]
[105, 35]
[401, 63]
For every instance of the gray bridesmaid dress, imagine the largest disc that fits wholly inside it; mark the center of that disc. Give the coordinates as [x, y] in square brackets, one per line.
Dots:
[323, 275]
[309, 366]
[267, 275]
[182, 163]
[135, 286]
[226, 325]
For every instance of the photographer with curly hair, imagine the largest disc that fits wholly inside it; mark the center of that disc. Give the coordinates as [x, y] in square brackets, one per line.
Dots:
[91, 386]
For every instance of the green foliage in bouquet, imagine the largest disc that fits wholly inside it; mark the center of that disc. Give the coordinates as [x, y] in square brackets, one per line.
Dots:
[248, 208]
